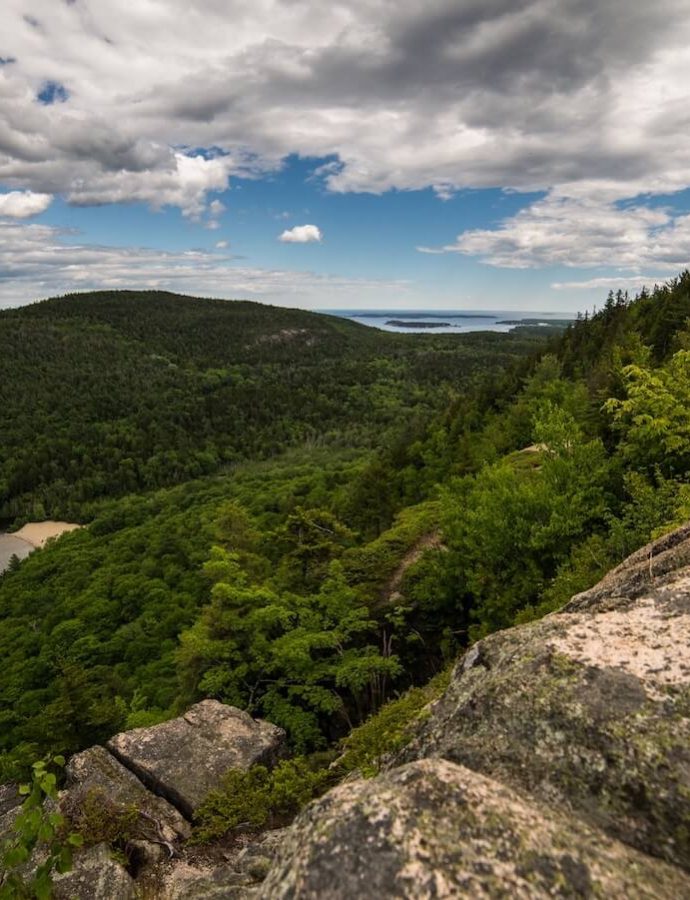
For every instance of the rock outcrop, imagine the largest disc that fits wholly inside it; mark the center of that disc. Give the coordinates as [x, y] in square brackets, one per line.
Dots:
[97, 773]
[185, 758]
[141, 798]
[436, 829]
[95, 875]
[556, 764]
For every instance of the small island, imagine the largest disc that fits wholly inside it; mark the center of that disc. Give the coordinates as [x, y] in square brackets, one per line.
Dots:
[400, 323]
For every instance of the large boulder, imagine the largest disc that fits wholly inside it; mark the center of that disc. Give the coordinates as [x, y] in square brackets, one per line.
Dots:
[97, 774]
[436, 829]
[589, 708]
[185, 758]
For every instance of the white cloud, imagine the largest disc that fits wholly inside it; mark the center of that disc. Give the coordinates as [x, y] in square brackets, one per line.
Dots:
[622, 282]
[301, 234]
[532, 94]
[581, 233]
[39, 261]
[585, 100]
[22, 204]
[222, 245]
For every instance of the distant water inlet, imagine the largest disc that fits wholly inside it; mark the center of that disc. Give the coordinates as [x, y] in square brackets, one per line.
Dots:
[11, 545]
[29, 538]
[454, 321]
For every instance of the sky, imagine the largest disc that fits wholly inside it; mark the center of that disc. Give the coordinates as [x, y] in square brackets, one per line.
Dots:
[451, 154]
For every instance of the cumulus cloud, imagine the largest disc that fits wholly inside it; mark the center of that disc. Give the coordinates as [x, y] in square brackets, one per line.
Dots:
[301, 234]
[524, 93]
[38, 261]
[584, 100]
[581, 232]
[22, 204]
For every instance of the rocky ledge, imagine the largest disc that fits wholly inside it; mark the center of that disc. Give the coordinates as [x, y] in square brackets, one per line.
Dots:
[185, 758]
[556, 764]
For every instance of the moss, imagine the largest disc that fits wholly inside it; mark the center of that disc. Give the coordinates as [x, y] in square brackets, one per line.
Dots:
[98, 819]
[390, 729]
[261, 798]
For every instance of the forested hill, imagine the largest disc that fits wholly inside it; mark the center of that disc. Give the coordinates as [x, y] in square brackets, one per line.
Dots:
[356, 515]
[103, 394]
[203, 331]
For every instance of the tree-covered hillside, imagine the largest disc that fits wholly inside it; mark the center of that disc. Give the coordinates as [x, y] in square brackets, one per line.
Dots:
[310, 587]
[105, 394]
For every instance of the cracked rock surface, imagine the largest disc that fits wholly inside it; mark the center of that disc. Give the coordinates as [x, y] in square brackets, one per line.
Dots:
[185, 758]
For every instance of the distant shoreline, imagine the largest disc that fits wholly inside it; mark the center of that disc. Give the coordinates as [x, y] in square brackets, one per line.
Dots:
[30, 537]
[410, 323]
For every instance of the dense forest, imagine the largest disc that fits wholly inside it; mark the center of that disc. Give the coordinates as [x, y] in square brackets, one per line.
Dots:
[103, 395]
[302, 517]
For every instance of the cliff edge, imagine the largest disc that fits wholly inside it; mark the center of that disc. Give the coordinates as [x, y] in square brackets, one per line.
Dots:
[556, 764]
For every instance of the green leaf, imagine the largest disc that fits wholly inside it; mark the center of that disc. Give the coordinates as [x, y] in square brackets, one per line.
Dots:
[64, 861]
[15, 856]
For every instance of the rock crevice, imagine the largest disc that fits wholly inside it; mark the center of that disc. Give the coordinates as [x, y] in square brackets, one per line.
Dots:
[184, 759]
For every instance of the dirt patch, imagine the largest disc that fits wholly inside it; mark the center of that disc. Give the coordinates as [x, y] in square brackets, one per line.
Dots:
[414, 554]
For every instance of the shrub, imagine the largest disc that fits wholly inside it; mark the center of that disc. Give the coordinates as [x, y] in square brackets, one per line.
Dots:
[38, 824]
[390, 729]
[261, 797]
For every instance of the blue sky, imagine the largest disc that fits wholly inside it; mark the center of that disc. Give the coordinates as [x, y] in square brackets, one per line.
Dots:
[503, 155]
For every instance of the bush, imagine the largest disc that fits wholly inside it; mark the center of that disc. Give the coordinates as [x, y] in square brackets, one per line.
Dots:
[390, 729]
[98, 819]
[38, 824]
[261, 798]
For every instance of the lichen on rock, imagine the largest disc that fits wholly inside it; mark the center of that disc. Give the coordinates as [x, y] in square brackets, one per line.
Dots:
[185, 758]
[433, 829]
[588, 708]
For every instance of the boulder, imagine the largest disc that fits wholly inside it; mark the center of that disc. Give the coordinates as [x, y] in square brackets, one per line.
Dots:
[589, 708]
[96, 771]
[185, 758]
[95, 875]
[436, 829]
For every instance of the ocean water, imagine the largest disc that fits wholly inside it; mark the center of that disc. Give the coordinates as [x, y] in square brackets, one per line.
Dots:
[12, 546]
[449, 321]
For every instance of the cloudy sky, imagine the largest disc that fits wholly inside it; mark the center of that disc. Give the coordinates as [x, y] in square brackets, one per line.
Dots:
[525, 154]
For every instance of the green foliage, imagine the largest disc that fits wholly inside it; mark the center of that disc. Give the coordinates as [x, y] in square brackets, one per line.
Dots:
[260, 798]
[377, 502]
[389, 729]
[37, 827]
[296, 659]
[97, 819]
[372, 565]
[508, 531]
[111, 393]
[654, 417]
[311, 539]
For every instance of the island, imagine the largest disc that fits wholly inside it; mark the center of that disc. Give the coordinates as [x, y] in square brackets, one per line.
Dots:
[400, 323]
